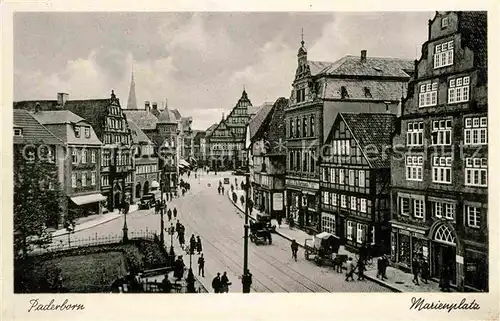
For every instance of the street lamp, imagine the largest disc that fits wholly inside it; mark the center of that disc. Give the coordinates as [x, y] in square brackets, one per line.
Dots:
[125, 228]
[246, 278]
[171, 232]
[162, 223]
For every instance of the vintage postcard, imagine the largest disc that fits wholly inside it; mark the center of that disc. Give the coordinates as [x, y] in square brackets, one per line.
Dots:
[240, 163]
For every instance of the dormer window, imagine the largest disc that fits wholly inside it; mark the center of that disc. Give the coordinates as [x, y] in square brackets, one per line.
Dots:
[343, 92]
[367, 92]
[87, 132]
[18, 132]
[77, 131]
[444, 22]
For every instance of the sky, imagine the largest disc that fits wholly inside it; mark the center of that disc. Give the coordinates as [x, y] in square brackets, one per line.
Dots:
[198, 62]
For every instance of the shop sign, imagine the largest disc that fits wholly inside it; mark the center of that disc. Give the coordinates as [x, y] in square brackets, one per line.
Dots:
[278, 201]
[460, 259]
[302, 184]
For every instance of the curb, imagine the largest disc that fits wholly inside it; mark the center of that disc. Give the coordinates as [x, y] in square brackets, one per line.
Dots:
[375, 280]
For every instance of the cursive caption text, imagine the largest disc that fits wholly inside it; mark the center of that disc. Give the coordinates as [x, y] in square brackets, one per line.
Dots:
[36, 305]
[420, 304]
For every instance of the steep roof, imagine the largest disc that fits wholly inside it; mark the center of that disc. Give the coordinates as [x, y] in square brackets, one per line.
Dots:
[145, 120]
[167, 117]
[256, 122]
[373, 66]
[57, 117]
[210, 129]
[372, 132]
[364, 89]
[276, 132]
[32, 131]
[138, 136]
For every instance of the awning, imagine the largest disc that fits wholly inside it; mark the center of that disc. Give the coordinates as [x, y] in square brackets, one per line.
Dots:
[155, 184]
[183, 162]
[87, 199]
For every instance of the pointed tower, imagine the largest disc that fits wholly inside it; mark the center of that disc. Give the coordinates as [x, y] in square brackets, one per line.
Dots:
[132, 100]
[302, 54]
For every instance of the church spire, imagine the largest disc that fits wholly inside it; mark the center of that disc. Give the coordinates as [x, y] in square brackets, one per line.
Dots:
[302, 36]
[132, 100]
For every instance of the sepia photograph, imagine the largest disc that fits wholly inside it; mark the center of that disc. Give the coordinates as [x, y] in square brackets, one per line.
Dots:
[200, 152]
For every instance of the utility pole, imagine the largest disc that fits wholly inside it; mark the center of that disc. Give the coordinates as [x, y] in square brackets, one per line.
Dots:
[246, 278]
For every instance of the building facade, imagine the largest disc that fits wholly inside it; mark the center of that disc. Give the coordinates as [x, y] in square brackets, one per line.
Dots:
[320, 91]
[82, 177]
[268, 158]
[199, 148]
[439, 194]
[227, 140]
[355, 182]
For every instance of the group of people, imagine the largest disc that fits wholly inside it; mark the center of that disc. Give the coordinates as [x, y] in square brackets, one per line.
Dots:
[221, 284]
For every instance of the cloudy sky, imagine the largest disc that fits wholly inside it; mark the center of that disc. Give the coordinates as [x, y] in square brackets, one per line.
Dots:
[198, 61]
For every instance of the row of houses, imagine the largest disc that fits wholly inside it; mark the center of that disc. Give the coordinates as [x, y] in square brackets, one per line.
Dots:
[105, 154]
[386, 151]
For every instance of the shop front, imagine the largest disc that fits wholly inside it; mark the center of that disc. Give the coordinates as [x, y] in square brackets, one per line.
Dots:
[406, 242]
[86, 205]
[303, 203]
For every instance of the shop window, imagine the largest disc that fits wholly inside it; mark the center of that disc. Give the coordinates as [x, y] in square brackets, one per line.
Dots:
[476, 270]
[404, 249]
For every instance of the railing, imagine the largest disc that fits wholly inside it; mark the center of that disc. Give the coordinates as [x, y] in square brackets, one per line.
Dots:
[64, 243]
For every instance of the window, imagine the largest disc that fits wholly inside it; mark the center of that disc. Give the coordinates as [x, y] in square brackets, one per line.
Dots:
[414, 168]
[343, 201]
[290, 160]
[333, 197]
[458, 90]
[84, 156]
[105, 180]
[18, 132]
[361, 178]
[301, 95]
[313, 161]
[84, 179]
[428, 95]
[297, 134]
[359, 233]
[449, 211]
[444, 22]
[404, 205]
[291, 128]
[312, 125]
[343, 92]
[441, 132]
[415, 134]
[350, 226]
[77, 131]
[92, 178]
[93, 157]
[353, 203]
[341, 147]
[328, 223]
[304, 126]
[73, 180]
[74, 159]
[473, 216]
[342, 177]
[476, 172]
[362, 205]
[476, 131]
[367, 92]
[444, 210]
[418, 208]
[352, 178]
[443, 54]
[324, 171]
[87, 132]
[441, 169]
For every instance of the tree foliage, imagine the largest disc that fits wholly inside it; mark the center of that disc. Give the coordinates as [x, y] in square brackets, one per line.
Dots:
[37, 199]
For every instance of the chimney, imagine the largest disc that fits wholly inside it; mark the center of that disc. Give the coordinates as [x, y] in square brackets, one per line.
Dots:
[37, 107]
[147, 106]
[415, 63]
[363, 55]
[61, 99]
[155, 106]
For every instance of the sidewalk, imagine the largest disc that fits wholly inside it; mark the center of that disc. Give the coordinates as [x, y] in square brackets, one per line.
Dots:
[397, 280]
[94, 220]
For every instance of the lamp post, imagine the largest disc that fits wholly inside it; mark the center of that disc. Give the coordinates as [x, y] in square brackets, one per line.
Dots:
[162, 223]
[125, 228]
[171, 232]
[246, 278]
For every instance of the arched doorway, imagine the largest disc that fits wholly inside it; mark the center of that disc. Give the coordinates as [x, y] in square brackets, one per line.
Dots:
[146, 187]
[444, 251]
[138, 191]
[117, 196]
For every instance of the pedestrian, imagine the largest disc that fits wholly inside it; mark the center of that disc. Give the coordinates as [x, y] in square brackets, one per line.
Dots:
[201, 265]
[291, 223]
[216, 283]
[177, 227]
[424, 270]
[279, 220]
[295, 249]
[192, 244]
[169, 214]
[361, 270]
[171, 195]
[445, 278]
[385, 264]
[175, 212]
[198, 244]
[179, 268]
[222, 190]
[157, 207]
[379, 267]
[349, 269]
[166, 285]
[415, 266]
[363, 252]
[219, 189]
[236, 182]
[224, 283]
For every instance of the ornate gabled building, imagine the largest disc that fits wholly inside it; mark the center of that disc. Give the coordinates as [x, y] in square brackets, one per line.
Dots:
[110, 125]
[320, 91]
[227, 140]
[439, 195]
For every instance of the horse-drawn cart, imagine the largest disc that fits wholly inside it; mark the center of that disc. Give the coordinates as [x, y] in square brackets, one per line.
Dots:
[261, 229]
[325, 249]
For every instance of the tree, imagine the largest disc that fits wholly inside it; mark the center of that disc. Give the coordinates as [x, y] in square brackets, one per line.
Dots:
[37, 198]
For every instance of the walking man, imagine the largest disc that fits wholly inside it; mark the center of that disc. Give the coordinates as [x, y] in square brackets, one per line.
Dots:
[222, 188]
[169, 214]
[224, 283]
[198, 245]
[424, 270]
[216, 283]
[192, 244]
[295, 249]
[350, 269]
[361, 270]
[415, 269]
[201, 265]
[175, 212]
